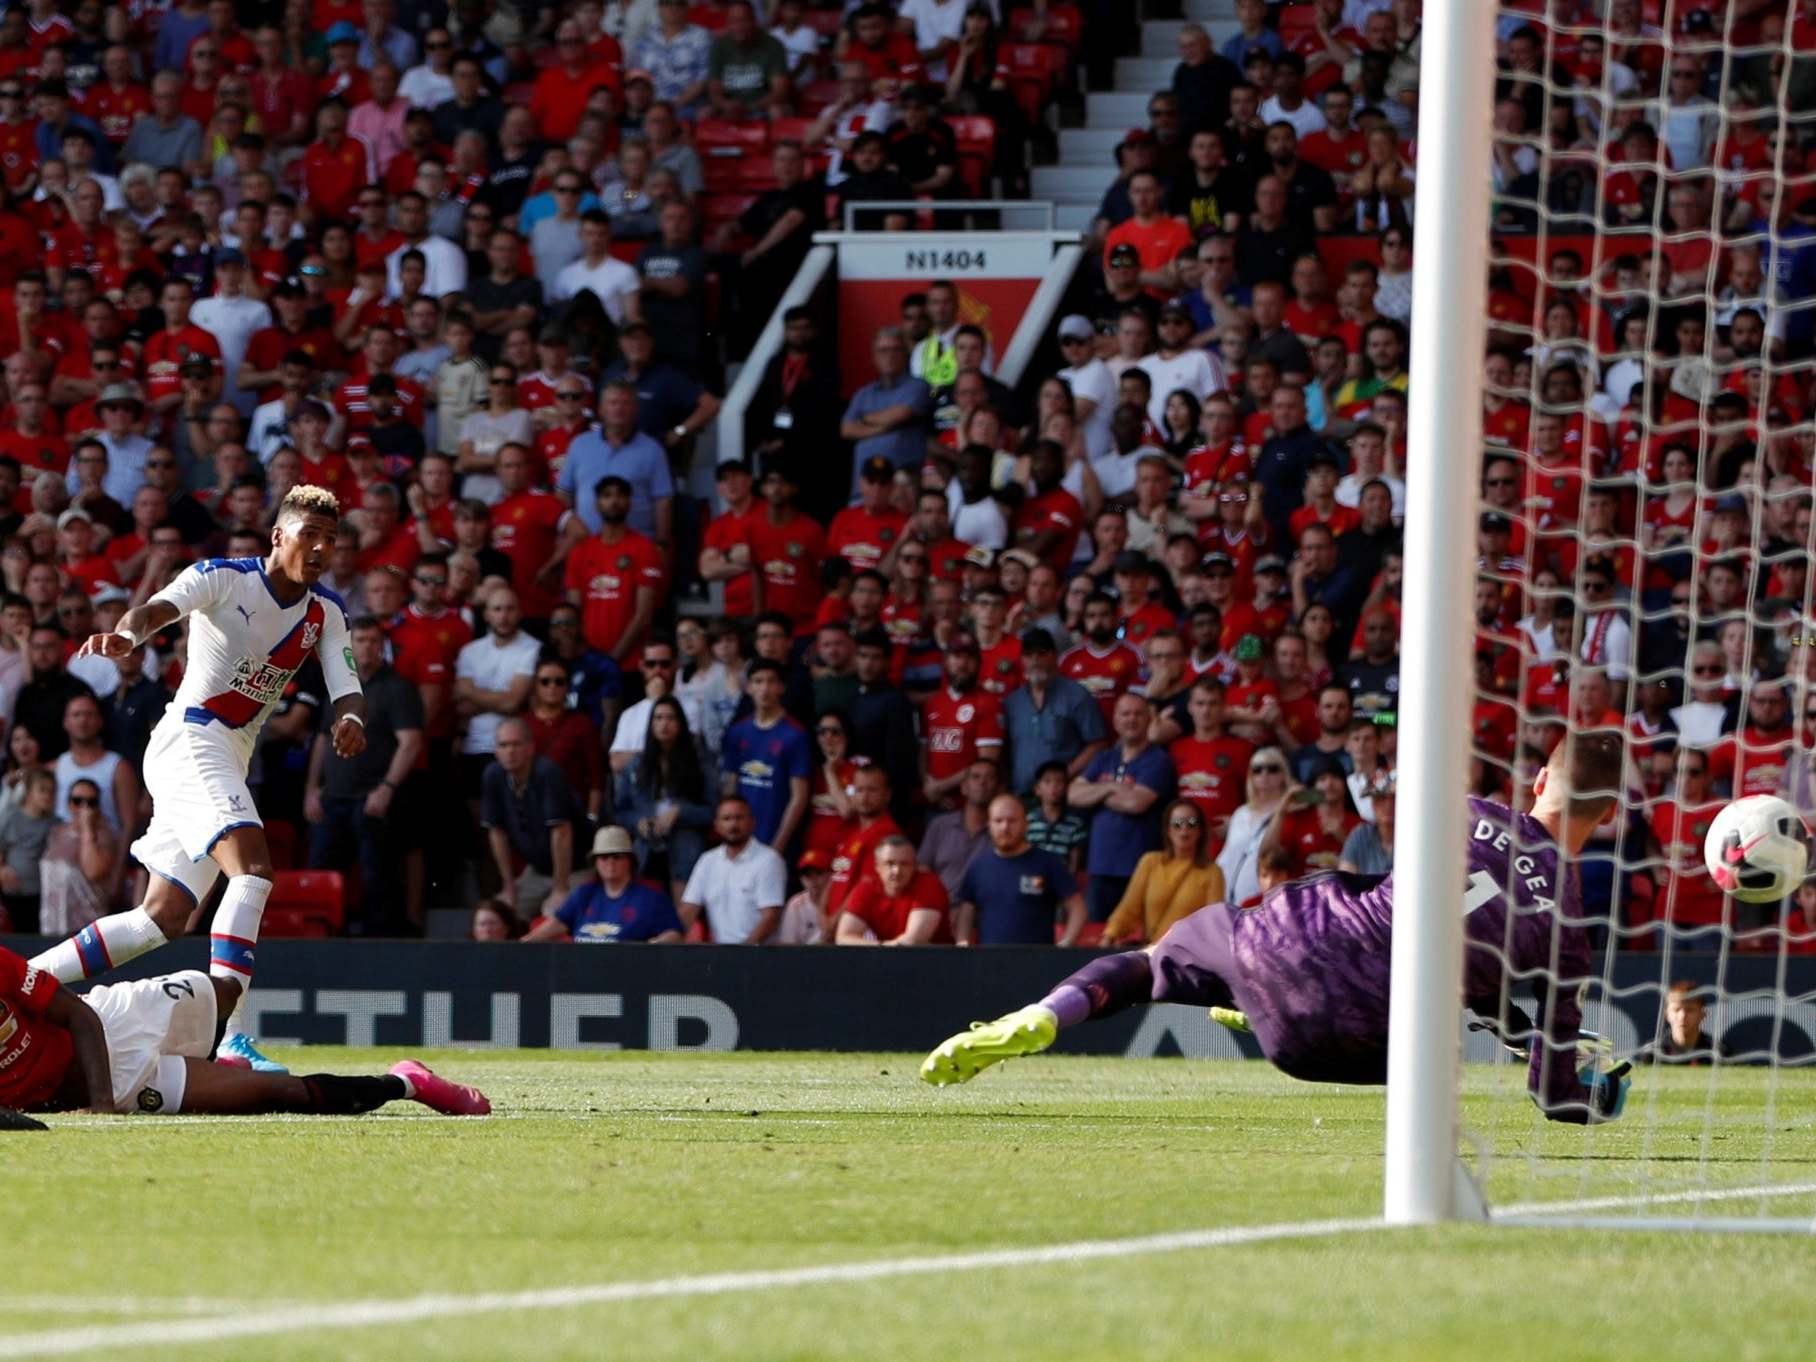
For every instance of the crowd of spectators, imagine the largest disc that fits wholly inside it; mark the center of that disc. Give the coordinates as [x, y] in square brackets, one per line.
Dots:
[1052, 662]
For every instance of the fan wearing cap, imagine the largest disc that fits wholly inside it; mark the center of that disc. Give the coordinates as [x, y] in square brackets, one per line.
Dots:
[805, 921]
[960, 724]
[863, 533]
[76, 553]
[612, 906]
[1252, 700]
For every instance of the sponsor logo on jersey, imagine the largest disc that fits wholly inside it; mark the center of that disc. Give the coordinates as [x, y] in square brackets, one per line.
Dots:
[1198, 780]
[9, 1024]
[1032, 884]
[757, 772]
[966, 713]
[946, 740]
[312, 632]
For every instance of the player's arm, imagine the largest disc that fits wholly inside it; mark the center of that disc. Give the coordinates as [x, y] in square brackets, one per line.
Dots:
[135, 627]
[791, 817]
[90, 1041]
[347, 727]
[851, 931]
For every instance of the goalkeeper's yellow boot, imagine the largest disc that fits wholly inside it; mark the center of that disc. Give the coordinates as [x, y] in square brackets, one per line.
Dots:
[1230, 1017]
[966, 1055]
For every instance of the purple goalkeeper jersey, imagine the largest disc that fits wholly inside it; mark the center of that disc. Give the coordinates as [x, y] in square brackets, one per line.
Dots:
[1315, 958]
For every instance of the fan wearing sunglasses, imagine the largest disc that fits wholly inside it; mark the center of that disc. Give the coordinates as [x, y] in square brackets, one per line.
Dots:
[1307, 972]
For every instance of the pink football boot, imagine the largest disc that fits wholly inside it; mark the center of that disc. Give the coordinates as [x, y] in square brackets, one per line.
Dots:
[438, 1094]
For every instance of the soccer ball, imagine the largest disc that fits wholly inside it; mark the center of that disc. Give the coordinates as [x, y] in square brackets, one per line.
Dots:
[1757, 849]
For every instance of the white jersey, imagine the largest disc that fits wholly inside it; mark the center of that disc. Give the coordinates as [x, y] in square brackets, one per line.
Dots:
[244, 646]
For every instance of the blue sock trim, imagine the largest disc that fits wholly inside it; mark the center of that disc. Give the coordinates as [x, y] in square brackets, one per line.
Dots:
[92, 952]
[230, 953]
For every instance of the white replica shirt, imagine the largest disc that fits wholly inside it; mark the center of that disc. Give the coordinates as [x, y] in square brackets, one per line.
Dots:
[734, 890]
[491, 667]
[445, 267]
[245, 645]
[611, 281]
[424, 88]
[232, 322]
[1093, 381]
[1199, 372]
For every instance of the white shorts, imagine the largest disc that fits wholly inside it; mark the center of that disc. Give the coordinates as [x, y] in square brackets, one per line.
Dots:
[154, 1026]
[196, 777]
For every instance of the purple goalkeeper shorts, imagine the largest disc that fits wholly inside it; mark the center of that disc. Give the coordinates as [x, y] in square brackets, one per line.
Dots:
[1194, 962]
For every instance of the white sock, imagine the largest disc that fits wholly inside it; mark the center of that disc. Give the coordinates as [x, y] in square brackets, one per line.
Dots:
[235, 934]
[100, 946]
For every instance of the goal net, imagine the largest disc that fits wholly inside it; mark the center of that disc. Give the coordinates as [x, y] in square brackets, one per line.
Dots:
[1639, 564]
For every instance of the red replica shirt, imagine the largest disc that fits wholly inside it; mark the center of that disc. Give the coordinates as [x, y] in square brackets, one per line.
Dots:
[18, 152]
[1304, 836]
[525, 528]
[350, 399]
[958, 729]
[34, 1054]
[946, 559]
[999, 668]
[333, 176]
[424, 648]
[608, 578]
[1752, 761]
[1342, 520]
[114, 108]
[1340, 156]
[537, 390]
[267, 348]
[724, 533]
[1212, 772]
[787, 558]
[164, 356]
[1686, 892]
[398, 550]
[826, 826]
[44, 453]
[896, 60]
[1106, 675]
[1139, 627]
[331, 471]
[558, 100]
[1055, 510]
[1209, 465]
[369, 250]
[887, 917]
[862, 538]
[851, 858]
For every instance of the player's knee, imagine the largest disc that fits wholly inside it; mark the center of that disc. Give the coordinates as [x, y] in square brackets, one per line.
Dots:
[170, 912]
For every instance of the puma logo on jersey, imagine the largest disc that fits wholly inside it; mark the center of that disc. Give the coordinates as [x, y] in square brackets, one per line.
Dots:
[247, 613]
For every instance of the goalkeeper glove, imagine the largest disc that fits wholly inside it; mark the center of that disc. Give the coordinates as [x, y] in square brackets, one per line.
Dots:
[1607, 1091]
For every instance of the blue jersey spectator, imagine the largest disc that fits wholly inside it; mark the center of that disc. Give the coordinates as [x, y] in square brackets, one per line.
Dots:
[887, 417]
[768, 759]
[612, 907]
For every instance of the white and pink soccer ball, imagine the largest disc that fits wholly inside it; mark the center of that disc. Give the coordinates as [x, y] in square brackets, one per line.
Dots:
[1758, 849]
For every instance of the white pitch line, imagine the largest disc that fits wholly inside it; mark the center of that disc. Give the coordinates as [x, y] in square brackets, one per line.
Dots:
[370, 1313]
[1628, 1203]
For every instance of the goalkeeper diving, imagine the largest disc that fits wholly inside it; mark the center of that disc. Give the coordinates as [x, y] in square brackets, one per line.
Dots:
[1307, 971]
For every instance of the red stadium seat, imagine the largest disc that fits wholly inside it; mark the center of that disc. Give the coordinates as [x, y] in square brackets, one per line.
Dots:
[1035, 70]
[976, 151]
[1065, 26]
[816, 95]
[723, 171]
[306, 903]
[1296, 20]
[722, 136]
[790, 130]
[827, 22]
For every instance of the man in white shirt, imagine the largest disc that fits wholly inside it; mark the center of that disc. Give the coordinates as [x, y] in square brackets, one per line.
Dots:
[937, 26]
[492, 677]
[977, 516]
[1368, 463]
[598, 272]
[232, 319]
[1288, 103]
[658, 663]
[1093, 387]
[431, 83]
[1177, 363]
[740, 884]
[444, 262]
[856, 110]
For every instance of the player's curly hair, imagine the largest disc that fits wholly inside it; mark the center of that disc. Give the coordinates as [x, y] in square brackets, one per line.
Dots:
[308, 500]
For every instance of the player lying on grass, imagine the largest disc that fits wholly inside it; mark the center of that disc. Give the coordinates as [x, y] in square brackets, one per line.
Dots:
[252, 623]
[1308, 970]
[144, 1046]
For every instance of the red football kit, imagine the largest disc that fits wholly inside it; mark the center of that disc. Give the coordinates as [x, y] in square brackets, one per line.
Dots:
[788, 558]
[1212, 772]
[608, 576]
[960, 728]
[525, 529]
[862, 538]
[1106, 675]
[34, 1054]
[887, 917]
[851, 858]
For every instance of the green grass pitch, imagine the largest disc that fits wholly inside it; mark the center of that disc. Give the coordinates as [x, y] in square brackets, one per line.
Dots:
[629, 1168]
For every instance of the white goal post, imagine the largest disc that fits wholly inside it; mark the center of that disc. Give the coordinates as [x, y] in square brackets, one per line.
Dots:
[1444, 431]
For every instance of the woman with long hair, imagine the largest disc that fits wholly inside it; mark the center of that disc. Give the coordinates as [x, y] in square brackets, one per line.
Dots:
[830, 810]
[1242, 843]
[23, 756]
[663, 796]
[1168, 884]
[978, 83]
[1316, 626]
[1182, 413]
[1315, 820]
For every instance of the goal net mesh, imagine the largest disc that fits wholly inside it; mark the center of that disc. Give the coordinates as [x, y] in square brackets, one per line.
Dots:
[1644, 567]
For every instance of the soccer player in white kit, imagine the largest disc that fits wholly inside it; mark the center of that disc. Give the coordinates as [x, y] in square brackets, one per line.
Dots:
[252, 623]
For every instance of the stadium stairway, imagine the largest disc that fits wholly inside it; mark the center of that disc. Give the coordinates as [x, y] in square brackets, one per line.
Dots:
[1087, 155]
